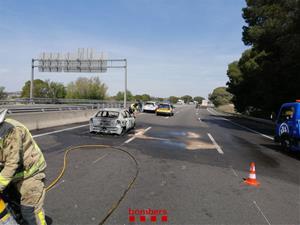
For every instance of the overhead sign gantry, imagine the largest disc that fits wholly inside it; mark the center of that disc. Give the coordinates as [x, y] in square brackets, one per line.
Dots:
[84, 61]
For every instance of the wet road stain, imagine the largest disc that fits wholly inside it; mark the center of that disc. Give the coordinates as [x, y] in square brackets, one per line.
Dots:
[185, 140]
[195, 145]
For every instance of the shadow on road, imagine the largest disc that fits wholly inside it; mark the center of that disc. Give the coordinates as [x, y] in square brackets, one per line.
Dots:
[278, 148]
[258, 126]
[49, 221]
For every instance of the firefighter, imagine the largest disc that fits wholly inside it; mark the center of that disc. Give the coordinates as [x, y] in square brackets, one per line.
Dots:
[133, 108]
[139, 105]
[23, 166]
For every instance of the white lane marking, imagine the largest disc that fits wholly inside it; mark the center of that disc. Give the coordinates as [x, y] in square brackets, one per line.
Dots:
[147, 130]
[130, 139]
[102, 157]
[167, 117]
[254, 131]
[258, 208]
[234, 172]
[212, 112]
[216, 112]
[58, 131]
[241, 126]
[215, 143]
[139, 133]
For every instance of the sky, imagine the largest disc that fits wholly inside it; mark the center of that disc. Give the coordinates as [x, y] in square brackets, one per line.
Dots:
[173, 47]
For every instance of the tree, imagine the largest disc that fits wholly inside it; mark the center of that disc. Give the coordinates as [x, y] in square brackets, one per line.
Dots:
[220, 96]
[137, 97]
[87, 88]
[2, 93]
[187, 98]
[173, 99]
[40, 89]
[246, 83]
[146, 97]
[120, 96]
[44, 89]
[143, 97]
[267, 74]
[56, 90]
[198, 99]
[235, 75]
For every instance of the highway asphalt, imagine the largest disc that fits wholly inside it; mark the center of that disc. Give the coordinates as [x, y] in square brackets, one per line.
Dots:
[191, 167]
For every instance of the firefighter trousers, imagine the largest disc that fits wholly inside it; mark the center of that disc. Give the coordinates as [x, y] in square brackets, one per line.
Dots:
[32, 192]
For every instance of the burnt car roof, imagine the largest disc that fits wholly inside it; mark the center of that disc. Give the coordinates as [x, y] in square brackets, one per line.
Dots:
[112, 109]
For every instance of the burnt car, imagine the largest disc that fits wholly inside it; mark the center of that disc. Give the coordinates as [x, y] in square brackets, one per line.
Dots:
[112, 121]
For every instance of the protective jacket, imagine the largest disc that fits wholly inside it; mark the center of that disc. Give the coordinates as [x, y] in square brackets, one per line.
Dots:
[20, 156]
[133, 107]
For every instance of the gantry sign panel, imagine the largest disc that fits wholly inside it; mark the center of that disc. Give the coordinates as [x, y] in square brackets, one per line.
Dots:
[85, 61]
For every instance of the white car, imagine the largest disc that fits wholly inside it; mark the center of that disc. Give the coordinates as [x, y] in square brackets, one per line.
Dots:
[150, 107]
[112, 121]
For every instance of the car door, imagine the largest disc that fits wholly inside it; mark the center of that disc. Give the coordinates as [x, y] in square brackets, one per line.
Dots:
[285, 121]
[130, 120]
[126, 119]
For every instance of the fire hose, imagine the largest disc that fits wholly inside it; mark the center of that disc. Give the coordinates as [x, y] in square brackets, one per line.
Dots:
[98, 147]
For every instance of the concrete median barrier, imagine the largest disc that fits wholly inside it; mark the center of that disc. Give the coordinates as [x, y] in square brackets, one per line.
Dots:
[35, 121]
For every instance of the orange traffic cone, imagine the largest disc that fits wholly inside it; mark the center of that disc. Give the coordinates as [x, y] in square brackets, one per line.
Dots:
[251, 180]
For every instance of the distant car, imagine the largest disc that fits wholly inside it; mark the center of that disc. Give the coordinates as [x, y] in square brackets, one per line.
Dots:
[150, 107]
[180, 102]
[112, 121]
[165, 109]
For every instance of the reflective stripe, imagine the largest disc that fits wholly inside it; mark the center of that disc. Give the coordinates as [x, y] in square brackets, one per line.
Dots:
[2, 205]
[6, 217]
[252, 176]
[3, 181]
[32, 170]
[41, 218]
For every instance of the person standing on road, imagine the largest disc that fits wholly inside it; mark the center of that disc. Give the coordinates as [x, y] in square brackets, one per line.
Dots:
[22, 164]
[140, 105]
[133, 108]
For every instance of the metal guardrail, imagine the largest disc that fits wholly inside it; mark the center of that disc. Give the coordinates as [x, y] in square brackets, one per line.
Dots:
[53, 101]
[51, 108]
[44, 109]
[49, 105]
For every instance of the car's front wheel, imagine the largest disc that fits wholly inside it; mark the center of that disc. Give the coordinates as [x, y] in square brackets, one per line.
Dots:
[122, 131]
[91, 129]
[285, 142]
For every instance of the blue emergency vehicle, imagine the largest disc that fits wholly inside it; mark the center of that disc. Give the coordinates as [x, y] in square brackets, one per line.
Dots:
[288, 126]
